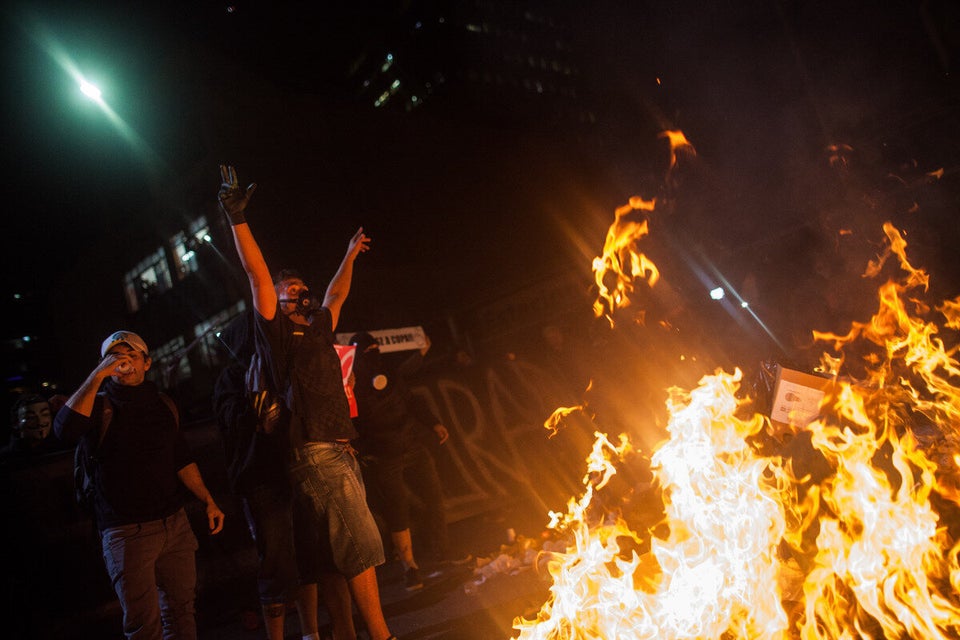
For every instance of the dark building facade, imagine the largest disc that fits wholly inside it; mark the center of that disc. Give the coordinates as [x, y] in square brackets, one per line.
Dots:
[509, 63]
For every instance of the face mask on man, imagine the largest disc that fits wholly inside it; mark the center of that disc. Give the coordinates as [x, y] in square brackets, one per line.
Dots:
[368, 365]
[34, 420]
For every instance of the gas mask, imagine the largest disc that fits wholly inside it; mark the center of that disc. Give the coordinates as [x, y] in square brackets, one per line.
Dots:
[307, 302]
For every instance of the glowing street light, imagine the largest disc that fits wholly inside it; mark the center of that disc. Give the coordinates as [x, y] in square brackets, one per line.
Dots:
[52, 47]
[90, 90]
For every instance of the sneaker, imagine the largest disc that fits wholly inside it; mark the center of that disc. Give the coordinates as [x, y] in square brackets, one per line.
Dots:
[412, 580]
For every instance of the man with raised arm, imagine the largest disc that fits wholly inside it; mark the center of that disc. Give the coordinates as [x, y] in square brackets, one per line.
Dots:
[295, 337]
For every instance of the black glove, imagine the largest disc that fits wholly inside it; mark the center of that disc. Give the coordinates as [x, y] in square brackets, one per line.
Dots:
[233, 199]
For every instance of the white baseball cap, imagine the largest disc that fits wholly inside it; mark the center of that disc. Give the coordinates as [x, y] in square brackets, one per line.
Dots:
[129, 338]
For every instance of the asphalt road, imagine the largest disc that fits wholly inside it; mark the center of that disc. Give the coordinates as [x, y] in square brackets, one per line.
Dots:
[451, 606]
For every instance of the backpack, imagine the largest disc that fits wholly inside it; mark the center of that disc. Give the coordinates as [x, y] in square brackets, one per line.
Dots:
[264, 401]
[85, 461]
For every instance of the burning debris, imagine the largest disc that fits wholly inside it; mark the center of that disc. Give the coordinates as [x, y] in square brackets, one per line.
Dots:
[842, 527]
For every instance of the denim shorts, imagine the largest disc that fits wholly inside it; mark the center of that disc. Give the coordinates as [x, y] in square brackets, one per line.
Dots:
[327, 476]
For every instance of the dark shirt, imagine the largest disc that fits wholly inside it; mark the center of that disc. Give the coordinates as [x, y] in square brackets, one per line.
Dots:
[139, 457]
[306, 368]
[392, 418]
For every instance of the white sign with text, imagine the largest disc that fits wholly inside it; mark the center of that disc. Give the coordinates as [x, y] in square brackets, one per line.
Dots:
[402, 339]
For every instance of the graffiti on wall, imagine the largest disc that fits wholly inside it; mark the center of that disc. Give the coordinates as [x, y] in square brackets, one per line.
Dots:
[499, 448]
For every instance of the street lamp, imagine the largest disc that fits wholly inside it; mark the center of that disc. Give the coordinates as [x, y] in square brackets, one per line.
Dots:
[90, 90]
[52, 47]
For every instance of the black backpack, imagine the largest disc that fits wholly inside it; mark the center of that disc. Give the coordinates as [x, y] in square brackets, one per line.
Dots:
[85, 461]
[264, 400]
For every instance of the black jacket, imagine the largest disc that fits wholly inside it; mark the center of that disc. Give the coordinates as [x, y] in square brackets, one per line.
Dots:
[139, 457]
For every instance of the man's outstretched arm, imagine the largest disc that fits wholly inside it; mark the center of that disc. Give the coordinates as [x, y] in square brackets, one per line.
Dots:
[233, 202]
[339, 286]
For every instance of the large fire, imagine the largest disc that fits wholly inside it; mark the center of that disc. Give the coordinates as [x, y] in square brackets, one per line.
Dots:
[840, 533]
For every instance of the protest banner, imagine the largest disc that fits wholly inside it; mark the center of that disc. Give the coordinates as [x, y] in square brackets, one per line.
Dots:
[401, 339]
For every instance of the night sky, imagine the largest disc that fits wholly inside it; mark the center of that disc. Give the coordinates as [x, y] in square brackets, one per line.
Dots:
[762, 89]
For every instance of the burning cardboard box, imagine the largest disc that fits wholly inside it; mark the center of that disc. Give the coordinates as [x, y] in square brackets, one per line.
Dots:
[797, 397]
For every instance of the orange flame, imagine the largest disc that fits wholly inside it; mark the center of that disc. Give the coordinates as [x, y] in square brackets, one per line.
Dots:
[678, 141]
[751, 550]
[621, 260]
[558, 416]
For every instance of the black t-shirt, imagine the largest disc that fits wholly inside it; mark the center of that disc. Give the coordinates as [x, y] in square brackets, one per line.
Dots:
[306, 369]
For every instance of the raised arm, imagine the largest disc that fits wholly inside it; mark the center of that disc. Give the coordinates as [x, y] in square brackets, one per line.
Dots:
[72, 421]
[339, 286]
[233, 202]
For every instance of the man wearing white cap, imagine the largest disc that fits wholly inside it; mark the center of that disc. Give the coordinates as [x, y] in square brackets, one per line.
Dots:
[141, 464]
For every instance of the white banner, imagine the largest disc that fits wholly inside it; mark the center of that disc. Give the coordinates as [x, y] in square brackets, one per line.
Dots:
[402, 339]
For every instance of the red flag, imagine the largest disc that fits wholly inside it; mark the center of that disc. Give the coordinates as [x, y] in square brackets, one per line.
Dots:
[347, 354]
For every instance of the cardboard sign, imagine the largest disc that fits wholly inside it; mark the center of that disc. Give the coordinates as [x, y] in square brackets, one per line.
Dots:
[402, 339]
[347, 355]
[797, 397]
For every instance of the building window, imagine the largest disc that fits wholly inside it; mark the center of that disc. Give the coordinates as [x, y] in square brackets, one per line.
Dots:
[185, 245]
[207, 333]
[170, 363]
[150, 278]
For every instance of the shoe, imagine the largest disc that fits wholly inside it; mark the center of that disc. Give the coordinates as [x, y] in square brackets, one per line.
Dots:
[412, 580]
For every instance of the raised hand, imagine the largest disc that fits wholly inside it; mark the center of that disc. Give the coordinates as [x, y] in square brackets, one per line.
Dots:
[112, 364]
[358, 243]
[233, 199]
